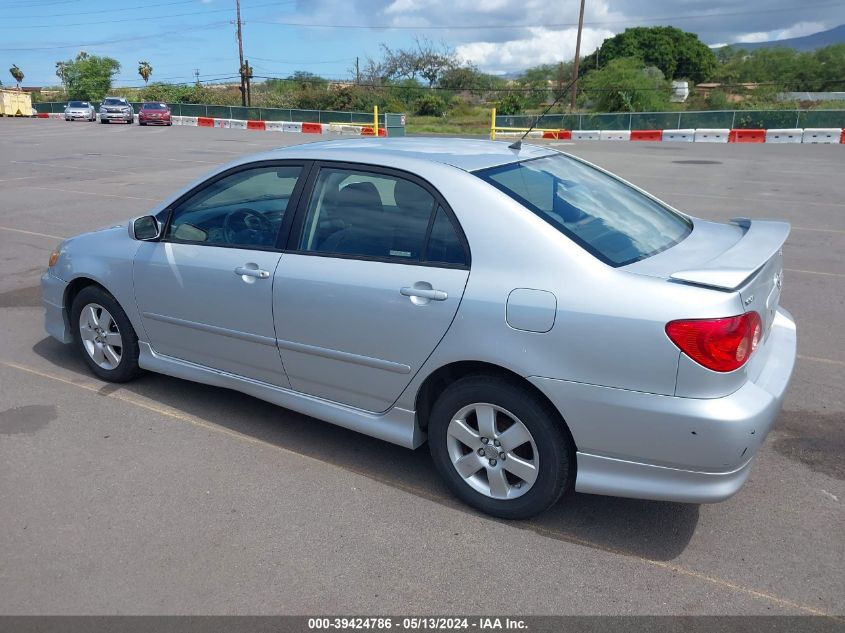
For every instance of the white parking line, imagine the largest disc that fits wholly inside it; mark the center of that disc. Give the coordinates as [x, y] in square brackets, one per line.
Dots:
[60, 166]
[813, 272]
[155, 158]
[816, 359]
[94, 193]
[47, 235]
[806, 228]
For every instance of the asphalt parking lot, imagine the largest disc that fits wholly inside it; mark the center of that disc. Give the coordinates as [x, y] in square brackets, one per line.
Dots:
[167, 497]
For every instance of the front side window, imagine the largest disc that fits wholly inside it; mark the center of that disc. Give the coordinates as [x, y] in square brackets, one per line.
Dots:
[613, 221]
[244, 209]
[367, 215]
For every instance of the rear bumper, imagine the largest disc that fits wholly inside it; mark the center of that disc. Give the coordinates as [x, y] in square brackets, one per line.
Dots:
[648, 446]
[55, 318]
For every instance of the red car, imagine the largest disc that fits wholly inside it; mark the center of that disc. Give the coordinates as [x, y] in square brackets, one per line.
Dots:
[154, 113]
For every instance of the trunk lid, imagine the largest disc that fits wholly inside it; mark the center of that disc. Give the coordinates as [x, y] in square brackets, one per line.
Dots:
[743, 257]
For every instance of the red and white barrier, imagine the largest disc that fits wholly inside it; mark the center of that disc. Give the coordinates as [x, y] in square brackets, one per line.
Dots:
[615, 135]
[707, 135]
[586, 135]
[747, 136]
[647, 135]
[821, 135]
[784, 135]
[679, 136]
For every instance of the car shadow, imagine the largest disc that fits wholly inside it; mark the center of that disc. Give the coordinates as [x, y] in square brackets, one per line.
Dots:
[650, 529]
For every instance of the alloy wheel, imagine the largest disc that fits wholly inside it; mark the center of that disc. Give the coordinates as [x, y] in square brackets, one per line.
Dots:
[100, 336]
[493, 451]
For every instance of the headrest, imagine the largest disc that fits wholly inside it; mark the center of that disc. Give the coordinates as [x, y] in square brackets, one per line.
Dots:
[411, 196]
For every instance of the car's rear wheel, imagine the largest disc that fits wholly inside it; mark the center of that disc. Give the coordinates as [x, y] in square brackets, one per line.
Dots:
[104, 335]
[499, 447]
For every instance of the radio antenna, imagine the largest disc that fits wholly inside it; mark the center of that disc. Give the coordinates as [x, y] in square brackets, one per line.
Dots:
[518, 144]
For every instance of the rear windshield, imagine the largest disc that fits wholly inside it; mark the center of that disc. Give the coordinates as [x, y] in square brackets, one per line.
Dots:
[154, 106]
[114, 102]
[78, 104]
[613, 221]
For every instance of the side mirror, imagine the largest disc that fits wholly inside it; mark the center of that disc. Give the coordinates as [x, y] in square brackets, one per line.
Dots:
[145, 229]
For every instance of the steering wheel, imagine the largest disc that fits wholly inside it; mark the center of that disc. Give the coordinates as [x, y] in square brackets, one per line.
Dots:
[245, 226]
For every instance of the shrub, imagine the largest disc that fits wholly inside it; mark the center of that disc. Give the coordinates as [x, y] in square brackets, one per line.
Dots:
[429, 105]
[511, 103]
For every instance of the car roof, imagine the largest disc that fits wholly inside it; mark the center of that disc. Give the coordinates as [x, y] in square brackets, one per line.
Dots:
[466, 154]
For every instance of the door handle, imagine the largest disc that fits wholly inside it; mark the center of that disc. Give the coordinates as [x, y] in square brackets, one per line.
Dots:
[251, 272]
[424, 293]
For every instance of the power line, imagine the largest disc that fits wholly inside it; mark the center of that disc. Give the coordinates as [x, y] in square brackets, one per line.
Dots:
[149, 17]
[60, 15]
[180, 31]
[548, 25]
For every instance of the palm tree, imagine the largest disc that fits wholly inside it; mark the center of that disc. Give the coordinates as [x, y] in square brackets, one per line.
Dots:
[145, 70]
[61, 73]
[17, 73]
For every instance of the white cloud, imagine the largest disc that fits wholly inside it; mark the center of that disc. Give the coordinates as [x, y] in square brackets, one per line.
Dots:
[542, 47]
[798, 30]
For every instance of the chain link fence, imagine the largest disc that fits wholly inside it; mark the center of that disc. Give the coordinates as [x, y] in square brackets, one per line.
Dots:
[730, 119]
[245, 114]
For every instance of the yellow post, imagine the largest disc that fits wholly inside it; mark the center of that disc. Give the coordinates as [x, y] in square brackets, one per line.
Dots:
[375, 121]
[493, 124]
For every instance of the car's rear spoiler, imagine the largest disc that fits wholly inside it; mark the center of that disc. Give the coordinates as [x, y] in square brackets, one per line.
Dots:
[731, 269]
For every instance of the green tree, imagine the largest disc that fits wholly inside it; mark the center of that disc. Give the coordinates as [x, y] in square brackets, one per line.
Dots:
[678, 54]
[511, 103]
[89, 77]
[17, 74]
[623, 85]
[145, 70]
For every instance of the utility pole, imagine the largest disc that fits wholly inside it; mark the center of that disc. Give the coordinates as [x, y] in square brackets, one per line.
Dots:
[577, 58]
[197, 76]
[241, 53]
[248, 77]
[357, 73]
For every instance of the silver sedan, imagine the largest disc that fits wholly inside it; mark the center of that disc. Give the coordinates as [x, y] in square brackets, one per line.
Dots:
[543, 324]
[76, 110]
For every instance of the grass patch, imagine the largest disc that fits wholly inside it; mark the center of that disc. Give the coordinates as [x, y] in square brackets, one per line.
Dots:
[476, 123]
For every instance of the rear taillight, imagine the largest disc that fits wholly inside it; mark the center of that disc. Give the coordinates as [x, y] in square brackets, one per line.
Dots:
[718, 344]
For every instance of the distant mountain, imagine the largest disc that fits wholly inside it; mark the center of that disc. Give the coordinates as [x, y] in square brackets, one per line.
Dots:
[835, 35]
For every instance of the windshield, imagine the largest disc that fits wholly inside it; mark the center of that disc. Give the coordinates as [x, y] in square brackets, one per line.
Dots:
[155, 106]
[78, 104]
[114, 102]
[613, 221]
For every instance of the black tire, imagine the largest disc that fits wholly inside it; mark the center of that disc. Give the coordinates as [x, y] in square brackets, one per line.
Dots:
[556, 451]
[127, 368]
[103, 121]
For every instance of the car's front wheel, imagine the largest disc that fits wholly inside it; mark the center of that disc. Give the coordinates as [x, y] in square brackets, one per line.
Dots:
[104, 335]
[500, 447]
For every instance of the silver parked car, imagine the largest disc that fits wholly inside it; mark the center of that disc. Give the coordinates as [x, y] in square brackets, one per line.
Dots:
[80, 110]
[116, 109]
[542, 323]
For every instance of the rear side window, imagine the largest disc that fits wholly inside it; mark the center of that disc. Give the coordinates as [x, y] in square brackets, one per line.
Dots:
[444, 245]
[613, 221]
[367, 215]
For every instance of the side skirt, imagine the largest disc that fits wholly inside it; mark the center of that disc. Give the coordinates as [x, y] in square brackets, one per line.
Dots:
[398, 426]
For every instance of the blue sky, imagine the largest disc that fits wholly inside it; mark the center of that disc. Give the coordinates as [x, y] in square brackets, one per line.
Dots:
[325, 36]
